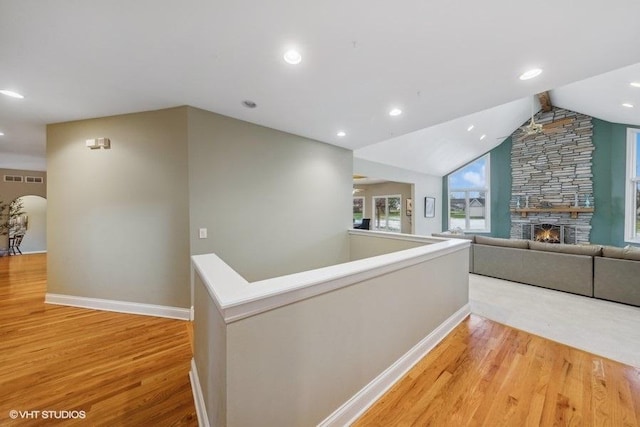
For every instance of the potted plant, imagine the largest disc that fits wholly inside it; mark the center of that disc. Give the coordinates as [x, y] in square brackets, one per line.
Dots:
[9, 219]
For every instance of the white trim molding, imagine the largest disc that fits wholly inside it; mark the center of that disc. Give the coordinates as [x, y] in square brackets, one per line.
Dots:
[352, 409]
[198, 397]
[119, 306]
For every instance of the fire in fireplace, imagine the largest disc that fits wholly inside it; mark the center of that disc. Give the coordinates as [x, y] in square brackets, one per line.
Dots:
[548, 233]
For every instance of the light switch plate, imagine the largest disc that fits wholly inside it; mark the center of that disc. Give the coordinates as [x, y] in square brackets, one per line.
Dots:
[203, 233]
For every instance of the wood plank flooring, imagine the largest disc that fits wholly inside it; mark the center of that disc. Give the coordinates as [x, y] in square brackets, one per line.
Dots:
[120, 369]
[488, 374]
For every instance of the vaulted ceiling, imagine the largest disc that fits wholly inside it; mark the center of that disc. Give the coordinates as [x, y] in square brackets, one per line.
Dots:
[437, 61]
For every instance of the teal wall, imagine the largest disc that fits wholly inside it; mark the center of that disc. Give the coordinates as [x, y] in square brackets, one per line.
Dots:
[501, 189]
[609, 169]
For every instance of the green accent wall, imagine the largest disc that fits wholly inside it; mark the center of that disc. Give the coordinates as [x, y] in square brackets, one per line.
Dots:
[501, 189]
[609, 170]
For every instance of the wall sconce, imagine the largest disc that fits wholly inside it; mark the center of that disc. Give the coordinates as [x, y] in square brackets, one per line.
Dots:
[98, 142]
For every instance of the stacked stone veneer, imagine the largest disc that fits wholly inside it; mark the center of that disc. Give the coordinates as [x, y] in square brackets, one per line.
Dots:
[553, 167]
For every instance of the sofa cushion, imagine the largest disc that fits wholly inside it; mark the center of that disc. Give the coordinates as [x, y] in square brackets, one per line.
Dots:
[632, 253]
[507, 243]
[590, 250]
[613, 252]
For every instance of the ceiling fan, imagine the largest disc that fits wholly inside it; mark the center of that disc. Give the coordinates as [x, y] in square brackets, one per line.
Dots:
[534, 128]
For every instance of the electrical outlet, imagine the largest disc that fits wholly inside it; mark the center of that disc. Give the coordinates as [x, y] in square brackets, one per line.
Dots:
[203, 233]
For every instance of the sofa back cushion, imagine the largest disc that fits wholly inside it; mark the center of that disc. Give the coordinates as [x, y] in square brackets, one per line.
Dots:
[632, 253]
[628, 252]
[613, 252]
[589, 250]
[507, 243]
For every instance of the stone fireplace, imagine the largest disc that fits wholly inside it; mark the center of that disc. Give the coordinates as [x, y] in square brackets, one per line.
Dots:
[552, 183]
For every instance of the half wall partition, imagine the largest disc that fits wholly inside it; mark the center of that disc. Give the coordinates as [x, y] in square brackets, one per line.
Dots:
[319, 347]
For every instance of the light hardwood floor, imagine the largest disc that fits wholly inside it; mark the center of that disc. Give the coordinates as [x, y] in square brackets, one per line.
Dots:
[120, 369]
[488, 374]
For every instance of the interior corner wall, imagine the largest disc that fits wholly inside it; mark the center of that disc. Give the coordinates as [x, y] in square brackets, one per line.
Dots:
[118, 219]
[273, 203]
[424, 185]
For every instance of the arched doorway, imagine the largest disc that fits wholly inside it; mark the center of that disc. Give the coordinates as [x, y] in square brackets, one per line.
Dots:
[34, 224]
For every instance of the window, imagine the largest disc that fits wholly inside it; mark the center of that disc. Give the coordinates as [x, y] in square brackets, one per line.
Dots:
[469, 203]
[387, 211]
[358, 209]
[632, 200]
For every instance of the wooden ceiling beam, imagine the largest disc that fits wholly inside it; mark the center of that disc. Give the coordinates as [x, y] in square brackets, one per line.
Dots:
[545, 101]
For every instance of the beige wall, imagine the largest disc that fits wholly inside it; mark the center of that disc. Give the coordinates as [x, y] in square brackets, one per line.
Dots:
[12, 190]
[118, 219]
[386, 189]
[273, 203]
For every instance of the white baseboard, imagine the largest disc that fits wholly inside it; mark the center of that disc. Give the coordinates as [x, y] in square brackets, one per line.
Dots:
[198, 398]
[369, 394]
[34, 252]
[119, 306]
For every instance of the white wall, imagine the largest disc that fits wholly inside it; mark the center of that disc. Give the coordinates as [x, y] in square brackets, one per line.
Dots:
[35, 237]
[273, 203]
[424, 186]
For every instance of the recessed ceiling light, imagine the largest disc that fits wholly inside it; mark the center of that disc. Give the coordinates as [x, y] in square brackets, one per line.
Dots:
[11, 93]
[470, 128]
[530, 74]
[292, 57]
[341, 133]
[626, 104]
[483, 136]
[635, 84]
[395, 112]
[1, 134]
[249, 104]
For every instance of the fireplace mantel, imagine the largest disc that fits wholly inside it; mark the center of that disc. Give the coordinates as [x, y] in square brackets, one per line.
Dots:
[574, 211]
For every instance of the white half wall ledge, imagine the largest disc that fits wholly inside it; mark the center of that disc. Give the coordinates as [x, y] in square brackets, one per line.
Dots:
[355, 407]
[237, 299]
[119, 306]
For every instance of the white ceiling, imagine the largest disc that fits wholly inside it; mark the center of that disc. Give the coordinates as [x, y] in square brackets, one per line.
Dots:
[437, 61]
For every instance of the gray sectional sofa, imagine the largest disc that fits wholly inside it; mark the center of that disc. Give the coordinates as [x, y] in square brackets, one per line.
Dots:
[591, 270]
